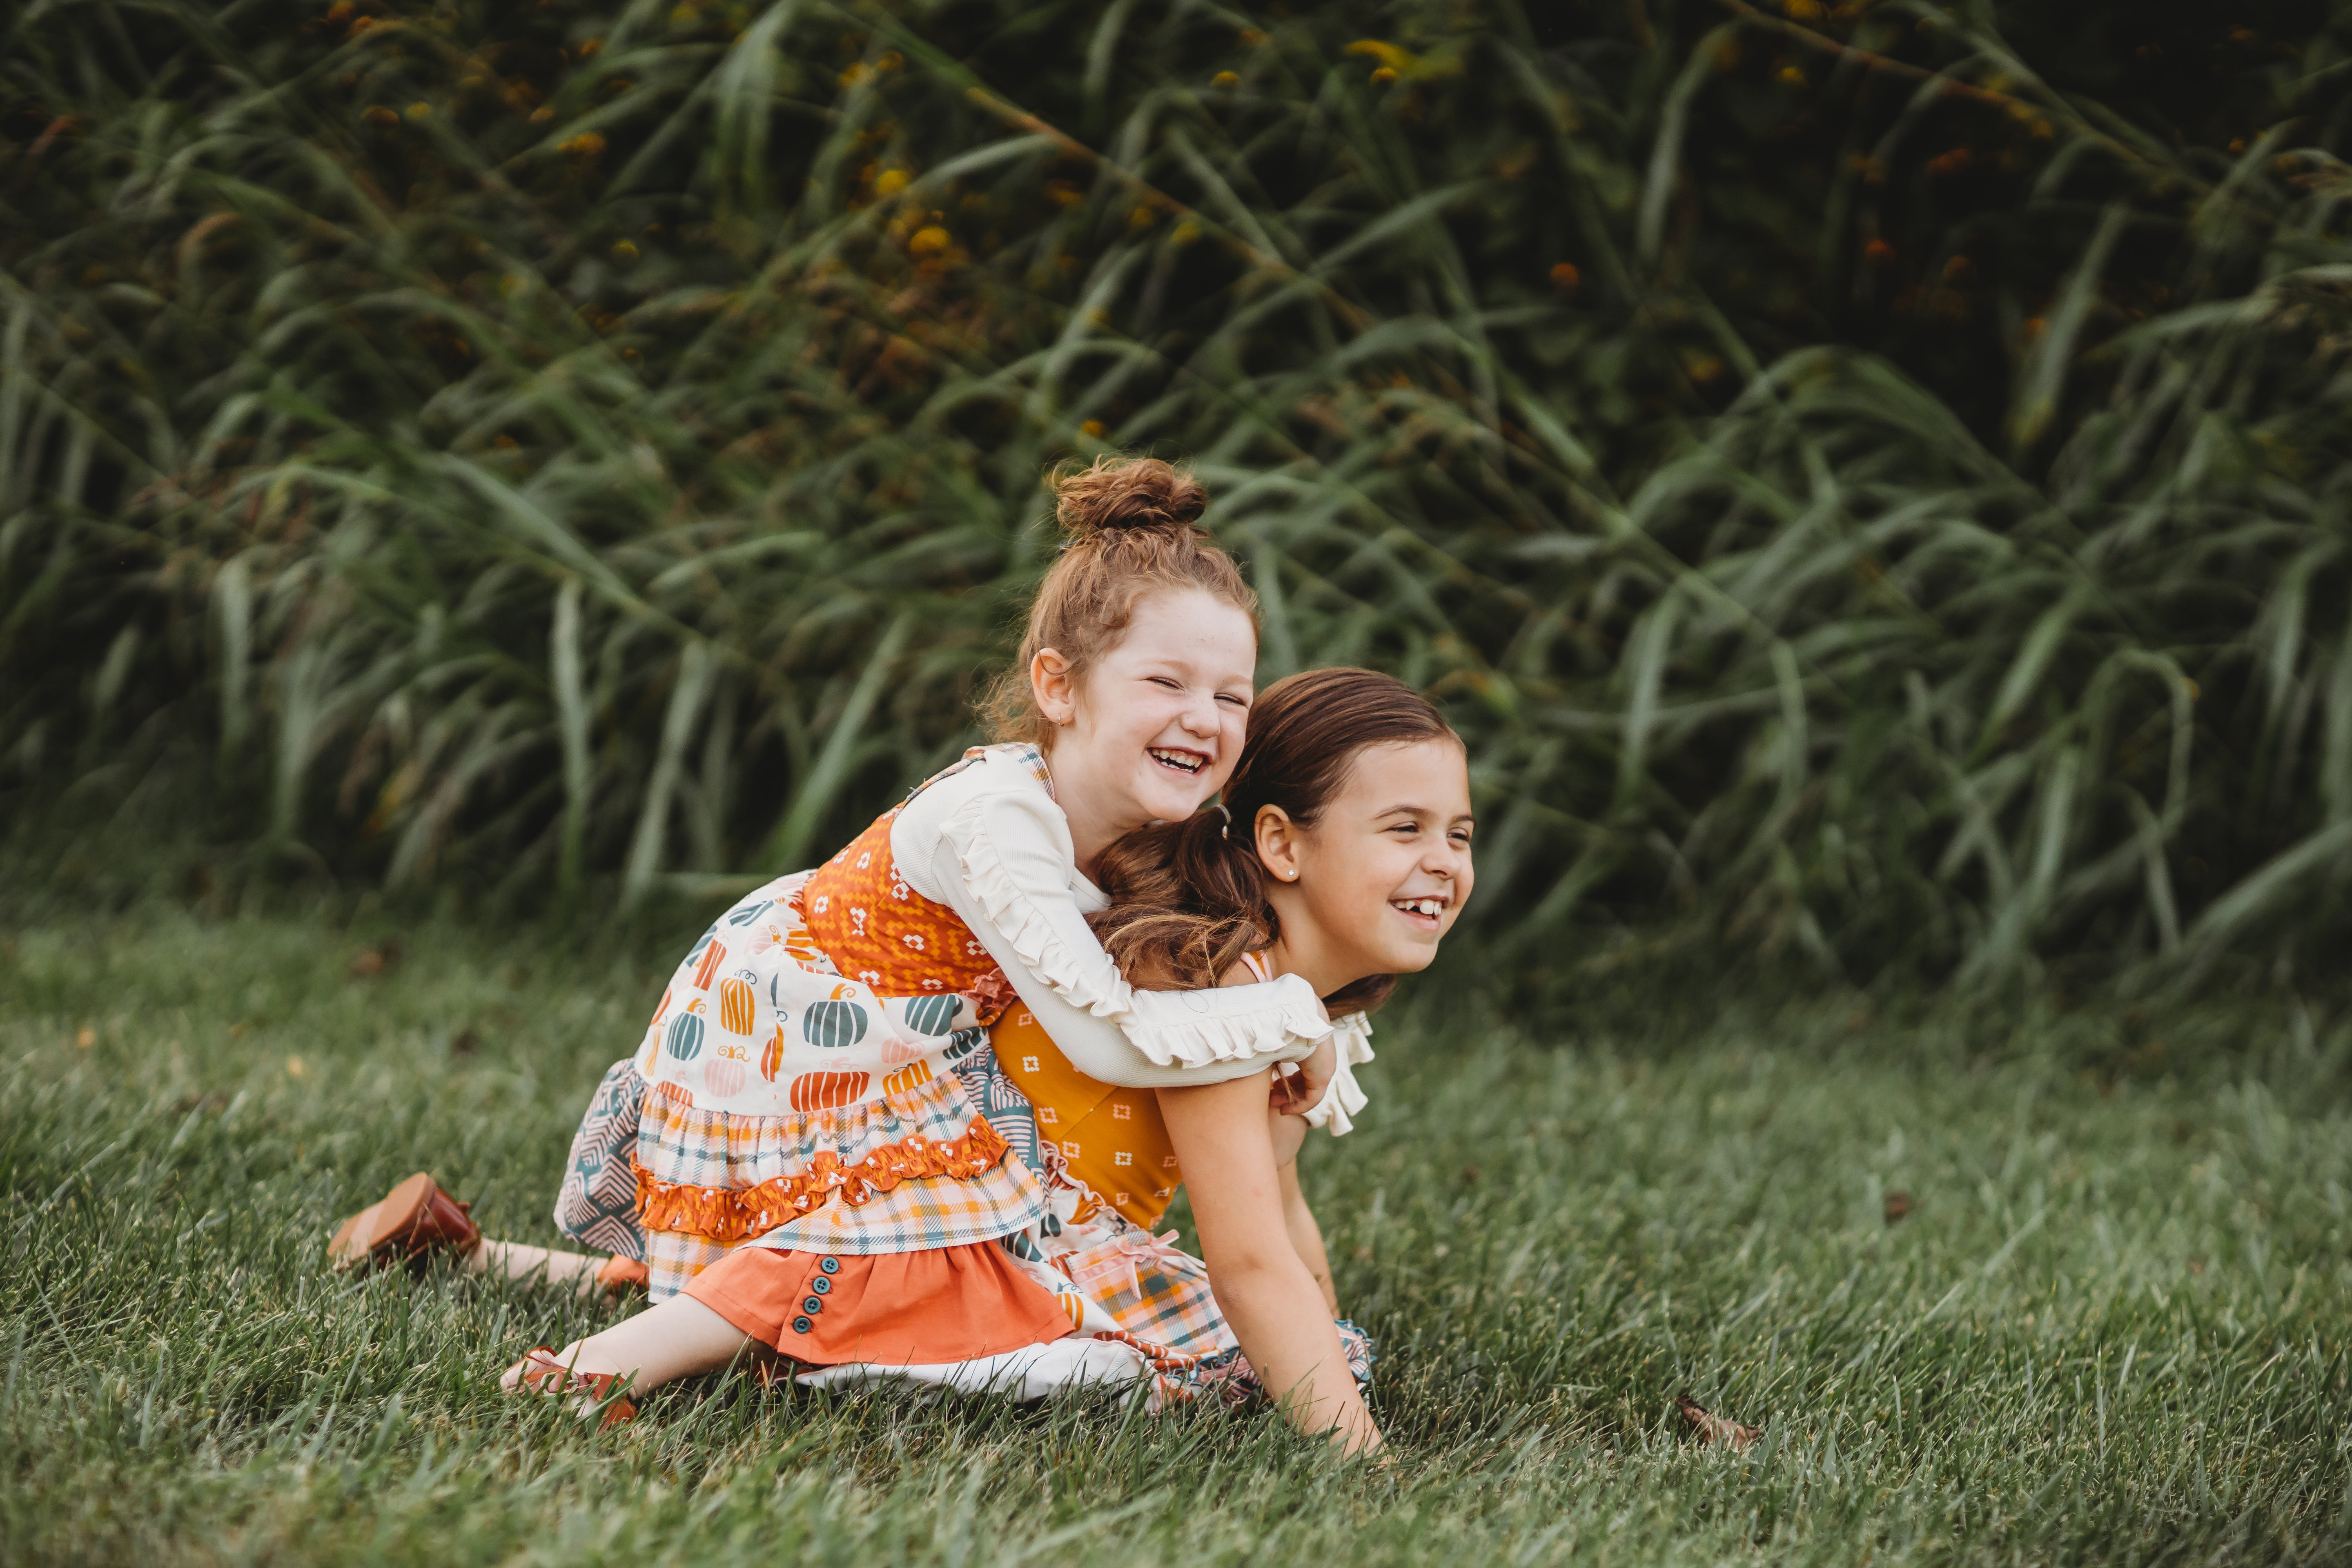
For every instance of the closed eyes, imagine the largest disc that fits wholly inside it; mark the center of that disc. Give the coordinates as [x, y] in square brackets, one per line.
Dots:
[1232, 700]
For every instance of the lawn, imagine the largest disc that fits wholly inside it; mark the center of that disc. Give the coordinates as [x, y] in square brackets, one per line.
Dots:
[2108, 1324]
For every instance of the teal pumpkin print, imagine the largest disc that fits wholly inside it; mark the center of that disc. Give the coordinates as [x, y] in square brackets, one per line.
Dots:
[833, 1024]
[932, 1015]
[686, 1036]
[963, 1042]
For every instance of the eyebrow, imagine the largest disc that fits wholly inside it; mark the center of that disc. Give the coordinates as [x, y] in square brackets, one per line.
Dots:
[1422, 811]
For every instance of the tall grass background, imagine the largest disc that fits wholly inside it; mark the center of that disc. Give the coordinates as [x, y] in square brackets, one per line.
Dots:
[1870, 483]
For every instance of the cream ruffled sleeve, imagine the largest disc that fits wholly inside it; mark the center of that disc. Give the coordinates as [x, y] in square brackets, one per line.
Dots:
[990, 844]
[1343, 1097]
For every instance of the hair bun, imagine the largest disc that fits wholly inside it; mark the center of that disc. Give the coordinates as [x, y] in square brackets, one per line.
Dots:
[1117, 493]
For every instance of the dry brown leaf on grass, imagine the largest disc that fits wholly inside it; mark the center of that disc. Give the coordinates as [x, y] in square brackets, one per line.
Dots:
[1713, 1429]
[371, 961]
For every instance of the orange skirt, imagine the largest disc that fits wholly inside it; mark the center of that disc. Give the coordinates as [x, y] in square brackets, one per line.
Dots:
[892, 1309]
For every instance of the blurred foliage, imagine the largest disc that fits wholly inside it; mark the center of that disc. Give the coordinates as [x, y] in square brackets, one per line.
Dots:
[1870, 483]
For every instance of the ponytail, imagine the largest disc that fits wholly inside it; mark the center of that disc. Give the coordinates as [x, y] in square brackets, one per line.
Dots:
[1188, 899]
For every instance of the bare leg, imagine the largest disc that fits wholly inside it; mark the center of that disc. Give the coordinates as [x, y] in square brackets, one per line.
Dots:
[677, 1339]
[516, 1260]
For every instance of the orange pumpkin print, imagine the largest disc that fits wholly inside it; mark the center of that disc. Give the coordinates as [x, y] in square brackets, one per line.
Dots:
[825, 1090]
[735, 1006]
[773, 1056]
[908, 1078]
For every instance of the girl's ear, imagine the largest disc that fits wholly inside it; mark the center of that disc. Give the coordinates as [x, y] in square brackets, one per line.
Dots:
[1276, 838]
[1050, 685]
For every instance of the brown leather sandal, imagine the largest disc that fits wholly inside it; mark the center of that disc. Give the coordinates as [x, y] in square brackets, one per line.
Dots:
[542, 1374]
[414, 1220]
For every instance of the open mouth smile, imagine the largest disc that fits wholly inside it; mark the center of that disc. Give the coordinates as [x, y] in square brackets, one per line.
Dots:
[1425, 912]
[1183, 761]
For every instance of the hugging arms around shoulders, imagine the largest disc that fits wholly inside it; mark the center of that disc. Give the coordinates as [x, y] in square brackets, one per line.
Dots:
[989, 842]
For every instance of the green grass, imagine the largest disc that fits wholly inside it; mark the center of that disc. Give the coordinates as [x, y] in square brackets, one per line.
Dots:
[2112, 1329]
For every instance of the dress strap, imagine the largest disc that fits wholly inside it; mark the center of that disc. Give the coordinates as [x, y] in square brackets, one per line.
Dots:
[1258, 966]
[1027, 755]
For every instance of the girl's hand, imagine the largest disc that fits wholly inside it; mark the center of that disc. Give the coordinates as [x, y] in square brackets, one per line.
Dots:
[1300, 1091]
[1288, 1132]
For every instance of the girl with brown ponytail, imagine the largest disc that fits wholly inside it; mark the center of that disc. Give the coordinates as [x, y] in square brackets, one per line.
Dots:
[1340, 855]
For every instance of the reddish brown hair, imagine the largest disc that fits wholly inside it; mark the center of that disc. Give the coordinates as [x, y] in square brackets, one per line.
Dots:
[1188, 899]
[1130, 527]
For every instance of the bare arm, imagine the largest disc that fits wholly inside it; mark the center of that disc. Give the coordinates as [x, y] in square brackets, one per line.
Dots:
[1307, 1236]
[1267, 1291]
[1288, 1134]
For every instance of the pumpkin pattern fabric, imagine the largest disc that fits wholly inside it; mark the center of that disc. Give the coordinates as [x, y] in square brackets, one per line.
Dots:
[760, 1021]
[819, 1058]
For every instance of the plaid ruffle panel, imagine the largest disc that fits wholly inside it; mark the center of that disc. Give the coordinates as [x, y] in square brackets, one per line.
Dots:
[1152, 1289]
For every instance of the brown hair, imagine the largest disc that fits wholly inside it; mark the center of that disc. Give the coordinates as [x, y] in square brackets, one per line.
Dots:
[1130, 525]
[1188, 899]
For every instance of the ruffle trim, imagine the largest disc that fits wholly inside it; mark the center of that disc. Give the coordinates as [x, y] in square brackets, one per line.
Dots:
[1196, 1042]
[1173, 1042]
[1024, 924]
[733, 1214]
[1343, 1098]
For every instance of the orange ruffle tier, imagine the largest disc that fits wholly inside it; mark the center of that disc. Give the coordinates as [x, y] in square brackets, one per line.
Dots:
[732, 1214]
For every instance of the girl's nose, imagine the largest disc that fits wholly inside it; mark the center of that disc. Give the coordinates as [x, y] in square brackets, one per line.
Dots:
[1200, 717]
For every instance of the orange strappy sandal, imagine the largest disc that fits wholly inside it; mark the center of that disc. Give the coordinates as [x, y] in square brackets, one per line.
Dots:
[542, 1374]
